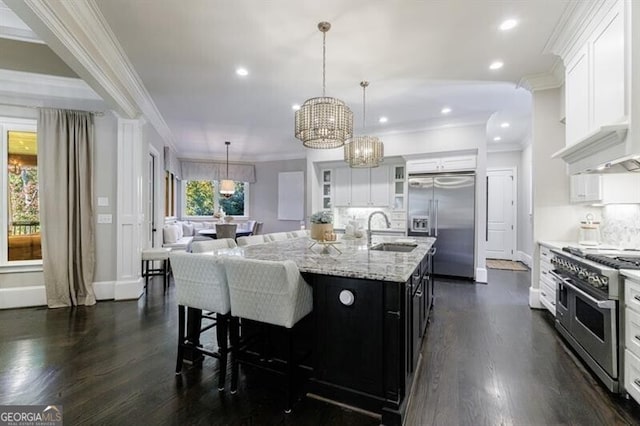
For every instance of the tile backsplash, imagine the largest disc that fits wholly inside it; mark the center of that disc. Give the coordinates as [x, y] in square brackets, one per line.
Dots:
[342, 216]
[621, 225]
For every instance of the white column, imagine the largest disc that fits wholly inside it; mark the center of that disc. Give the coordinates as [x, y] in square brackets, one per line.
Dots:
[130, 211]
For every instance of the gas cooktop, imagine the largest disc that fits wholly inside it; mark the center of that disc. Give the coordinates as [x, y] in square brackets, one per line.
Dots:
[617, 259]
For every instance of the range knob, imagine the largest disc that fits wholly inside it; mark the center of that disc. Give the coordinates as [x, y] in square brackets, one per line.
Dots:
[582, 273]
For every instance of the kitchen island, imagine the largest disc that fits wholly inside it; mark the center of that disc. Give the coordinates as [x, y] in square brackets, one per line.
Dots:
[370, 311]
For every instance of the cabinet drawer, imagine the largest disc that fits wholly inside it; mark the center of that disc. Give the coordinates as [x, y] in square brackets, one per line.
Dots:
[546, 278]
[632, 331]
[632, 375]
[632, 295]
[548, 298]
[545, 253]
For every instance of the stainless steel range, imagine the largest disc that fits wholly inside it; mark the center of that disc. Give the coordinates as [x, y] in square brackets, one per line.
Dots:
[588, 301]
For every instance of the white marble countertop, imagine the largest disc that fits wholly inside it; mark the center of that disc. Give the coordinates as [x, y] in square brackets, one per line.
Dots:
[354, 260]
[634, 275]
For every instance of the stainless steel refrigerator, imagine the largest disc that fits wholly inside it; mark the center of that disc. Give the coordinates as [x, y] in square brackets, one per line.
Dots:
[443, 206]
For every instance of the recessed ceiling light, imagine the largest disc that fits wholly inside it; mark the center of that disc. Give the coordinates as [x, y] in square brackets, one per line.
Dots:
[383, 119]
[508, 24]
[243, 72]
[497, 138]
[295, 107]
[505, 125]
[496, 65]
[445, 110]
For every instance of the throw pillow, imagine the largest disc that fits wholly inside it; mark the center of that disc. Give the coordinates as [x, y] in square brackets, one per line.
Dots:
[169, 234]
[178, 227]
[187, 229]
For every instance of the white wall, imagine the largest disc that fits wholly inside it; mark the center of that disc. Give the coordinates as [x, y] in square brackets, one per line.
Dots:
[554, 219]
[263, 194]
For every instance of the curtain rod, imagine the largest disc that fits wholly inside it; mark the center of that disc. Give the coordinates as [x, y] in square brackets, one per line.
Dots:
[98, 113]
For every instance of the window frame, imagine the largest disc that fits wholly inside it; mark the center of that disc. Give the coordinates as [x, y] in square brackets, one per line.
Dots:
[8, 124]
[216, 197]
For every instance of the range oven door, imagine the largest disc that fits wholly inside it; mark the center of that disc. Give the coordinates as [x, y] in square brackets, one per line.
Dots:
[591, 322]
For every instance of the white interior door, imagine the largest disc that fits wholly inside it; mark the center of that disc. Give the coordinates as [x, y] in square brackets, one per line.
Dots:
[151, 203]
[501, 214]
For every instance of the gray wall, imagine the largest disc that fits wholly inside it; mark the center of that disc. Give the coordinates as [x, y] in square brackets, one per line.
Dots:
[32, 57]
[106, 165]
[263, 194]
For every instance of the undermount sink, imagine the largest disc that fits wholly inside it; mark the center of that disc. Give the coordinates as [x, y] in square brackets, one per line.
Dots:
[402, 248]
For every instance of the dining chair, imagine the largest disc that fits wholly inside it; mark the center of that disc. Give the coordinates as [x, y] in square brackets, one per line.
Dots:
[210, 245]
[270, 292]
[258, 230]
[251, 226]
[251, 240]
[276, 236]
[201, 284]
[226, 230]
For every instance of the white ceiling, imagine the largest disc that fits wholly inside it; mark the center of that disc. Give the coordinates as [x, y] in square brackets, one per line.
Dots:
[419, 56]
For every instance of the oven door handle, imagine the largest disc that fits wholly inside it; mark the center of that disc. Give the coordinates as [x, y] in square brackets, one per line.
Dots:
[602, 304]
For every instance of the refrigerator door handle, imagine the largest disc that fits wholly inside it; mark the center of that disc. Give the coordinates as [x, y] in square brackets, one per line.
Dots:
[429, 213]
[436, 228]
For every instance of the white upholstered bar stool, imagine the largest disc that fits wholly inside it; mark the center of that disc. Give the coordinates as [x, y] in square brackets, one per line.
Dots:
[151, 255]
[276, 236]
[271, 292]
[251, 240]
[210, 245]
[299, 234]
[201, 284]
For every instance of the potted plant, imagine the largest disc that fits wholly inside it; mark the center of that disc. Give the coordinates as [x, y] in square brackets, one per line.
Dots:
[321, 222]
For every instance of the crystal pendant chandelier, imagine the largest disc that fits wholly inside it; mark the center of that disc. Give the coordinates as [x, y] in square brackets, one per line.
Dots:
[364, 151]
[324, 122]
[227, 187]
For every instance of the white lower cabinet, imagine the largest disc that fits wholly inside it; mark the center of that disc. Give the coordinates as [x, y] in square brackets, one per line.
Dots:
[546, 283]
[632, 338]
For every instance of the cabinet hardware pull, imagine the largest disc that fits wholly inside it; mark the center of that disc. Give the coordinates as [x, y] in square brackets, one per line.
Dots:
[542, 293]
[637, 382]
[637, 297]
[637, 337]
[394, 313]
[544, 272]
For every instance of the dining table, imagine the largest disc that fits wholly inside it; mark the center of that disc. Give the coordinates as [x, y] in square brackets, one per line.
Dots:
[211, 233]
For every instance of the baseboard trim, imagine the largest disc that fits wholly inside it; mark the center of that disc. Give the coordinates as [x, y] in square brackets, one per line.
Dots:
[481, 275]
[128, 290]
[534, 298]
[31, 296]
[525, 258]
[23, 297]
[104, 290]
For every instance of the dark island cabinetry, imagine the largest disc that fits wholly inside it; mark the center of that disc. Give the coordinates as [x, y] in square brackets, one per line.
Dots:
[368, 337]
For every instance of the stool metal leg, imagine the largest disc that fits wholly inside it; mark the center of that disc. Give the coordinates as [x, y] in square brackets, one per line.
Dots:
[222, 324]
[234, 336]
[290, 371]
[181, 321]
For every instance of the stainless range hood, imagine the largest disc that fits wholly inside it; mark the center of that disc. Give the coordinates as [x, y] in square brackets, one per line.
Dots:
[605, 150]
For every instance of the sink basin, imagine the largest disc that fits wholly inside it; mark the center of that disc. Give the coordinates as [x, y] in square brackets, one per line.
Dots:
[402, 248]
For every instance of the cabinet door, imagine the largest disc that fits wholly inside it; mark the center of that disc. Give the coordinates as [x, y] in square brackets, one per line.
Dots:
[342, 187]
[426, 165]
[379, 186]
[608, 50]
[586, 188]
[467, 162]
[577, 97]
[360, 187]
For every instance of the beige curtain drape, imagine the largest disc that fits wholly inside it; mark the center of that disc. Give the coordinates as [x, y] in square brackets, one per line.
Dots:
[65, 166]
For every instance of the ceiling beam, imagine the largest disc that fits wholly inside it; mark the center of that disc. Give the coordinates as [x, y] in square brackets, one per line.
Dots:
[78, 33]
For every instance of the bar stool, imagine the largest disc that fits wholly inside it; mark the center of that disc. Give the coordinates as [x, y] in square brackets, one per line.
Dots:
[270, 292]
[150, 255]
[201, 285]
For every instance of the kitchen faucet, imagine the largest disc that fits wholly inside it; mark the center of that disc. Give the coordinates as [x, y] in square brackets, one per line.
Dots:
[386, 218]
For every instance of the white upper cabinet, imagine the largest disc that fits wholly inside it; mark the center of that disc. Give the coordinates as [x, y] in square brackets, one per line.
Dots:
[442, 164]
[362, 187]
[595, 79]
[342, 187]
[613, 188]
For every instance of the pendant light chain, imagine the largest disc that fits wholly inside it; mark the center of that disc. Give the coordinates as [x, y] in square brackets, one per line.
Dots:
[364, 85]
[324, 62]
[227, 143]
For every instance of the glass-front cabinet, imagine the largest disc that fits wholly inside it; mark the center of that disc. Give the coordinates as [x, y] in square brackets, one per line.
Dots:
[327, 189]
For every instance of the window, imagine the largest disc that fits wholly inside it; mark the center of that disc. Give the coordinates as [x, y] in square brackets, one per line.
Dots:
[21, 219]
[201, 198]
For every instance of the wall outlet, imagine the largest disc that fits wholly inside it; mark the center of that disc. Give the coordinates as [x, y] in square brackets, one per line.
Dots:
[103, 201]
[104, 218]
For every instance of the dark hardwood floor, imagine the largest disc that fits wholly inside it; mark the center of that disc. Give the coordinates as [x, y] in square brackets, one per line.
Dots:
[488, 359]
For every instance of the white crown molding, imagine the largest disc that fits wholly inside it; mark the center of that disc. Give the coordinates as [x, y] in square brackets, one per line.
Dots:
[13, 28]
[575, 25]
[503, 147]
[282, 156]
[79, 34]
